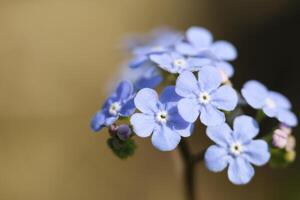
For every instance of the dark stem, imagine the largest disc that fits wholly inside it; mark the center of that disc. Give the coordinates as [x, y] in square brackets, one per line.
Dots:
[190, 162]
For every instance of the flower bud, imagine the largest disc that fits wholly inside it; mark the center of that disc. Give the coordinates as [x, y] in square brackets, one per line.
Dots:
[280, 138]
[285, 128]
[290, 156]
[124, 132]
[291, 143]
[113, 129]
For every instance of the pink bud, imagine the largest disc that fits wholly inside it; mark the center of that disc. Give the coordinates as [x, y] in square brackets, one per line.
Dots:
[285, 128]
[291, 143]
[280, 138]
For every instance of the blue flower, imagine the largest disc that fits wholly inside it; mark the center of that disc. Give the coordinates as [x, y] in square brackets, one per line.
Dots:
[163, 41]
[236, 149]
[120, 103]
[272, 103]
[199, 42]
[145, 76]
[174, 62]
[205, 96]
[160, 117]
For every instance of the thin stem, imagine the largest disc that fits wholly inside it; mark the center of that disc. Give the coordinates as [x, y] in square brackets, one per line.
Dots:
[190, 162]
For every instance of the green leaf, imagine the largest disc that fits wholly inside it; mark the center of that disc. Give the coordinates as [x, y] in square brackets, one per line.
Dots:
[122, 149]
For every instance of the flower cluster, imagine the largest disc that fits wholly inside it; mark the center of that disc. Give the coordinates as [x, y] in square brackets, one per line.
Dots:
[193, 73]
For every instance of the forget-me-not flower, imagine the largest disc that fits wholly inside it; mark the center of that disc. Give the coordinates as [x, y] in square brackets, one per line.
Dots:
[159, 115]
[236, 149]
[163, 41]
[120, 103]
[204, 96]
[174, 62]
[273, 104]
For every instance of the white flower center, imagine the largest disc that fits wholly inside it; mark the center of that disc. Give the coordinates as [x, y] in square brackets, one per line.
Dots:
[162, 116]
[236, 148]
[270, 103]
[114, 108]
[204, 98]
[180, 63]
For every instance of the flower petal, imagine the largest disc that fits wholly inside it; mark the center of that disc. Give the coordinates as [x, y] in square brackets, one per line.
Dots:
[146, 101]
[255, 94]
[127, 109]
[225, 98]
[187, 85]
[98, 121]
[196, 63]
[199, 37]
[257, 152]
[169, 95]
[240, 171]
[216, 158]
[124, 90]
[189, 109]
[224, 50]
[226, 67]
[287, 117]
[186, 49]
[280, 100]
[143, 125]
[245, 128]
[211, 116]
[221, 134]
[165, 139]
[137, 61]
[178, 124]
[164, 61]
[209, 78]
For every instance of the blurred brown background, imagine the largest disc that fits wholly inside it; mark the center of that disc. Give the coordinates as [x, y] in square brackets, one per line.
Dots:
[56, 60]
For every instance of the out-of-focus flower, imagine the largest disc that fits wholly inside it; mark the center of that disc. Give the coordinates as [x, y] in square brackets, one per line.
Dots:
[163, 41]
[174, 62]
[204, 96]
[160, 117]
[291, 143]
[236, 149]
[120, 103]
[290, 156]
[280, 138]
[272, 103]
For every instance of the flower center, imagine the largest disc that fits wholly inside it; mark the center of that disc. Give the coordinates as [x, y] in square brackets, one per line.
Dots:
[236, 148]
[180, 63]
[162, 116]
[114, 108]
[204, 98]
[270, 103]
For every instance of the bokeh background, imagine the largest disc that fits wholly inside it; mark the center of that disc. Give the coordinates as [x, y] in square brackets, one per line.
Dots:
[57, 58]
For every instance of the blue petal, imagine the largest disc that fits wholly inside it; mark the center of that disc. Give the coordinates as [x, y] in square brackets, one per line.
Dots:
[165, 139]
[186, 49]
[146, 101]
[187, 85]
[226, 67]
[280, 100]
[148, 82]
[211, 116]
[98, 121]
[124, 90]
[224, 50]
[189, 109]
[164, 61]
[143, 125]
[255, 94]
[245, 128]
[221, 134]
[270, 112]
[169, 95]
[240, 171]
[225, 98]
[287, 117]
[137, 61]
[209, 78]
[178, 124]
[257, 152]
[199, 37]
[128, 108]
[216, 158]
[197, 63]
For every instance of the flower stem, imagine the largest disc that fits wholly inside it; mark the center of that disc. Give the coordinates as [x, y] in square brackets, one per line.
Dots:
[190, 162]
